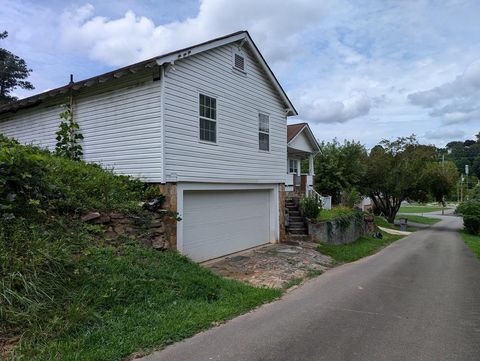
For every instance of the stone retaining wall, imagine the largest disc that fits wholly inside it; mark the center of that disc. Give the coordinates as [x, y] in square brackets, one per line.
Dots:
[154, 230]
[333, 232]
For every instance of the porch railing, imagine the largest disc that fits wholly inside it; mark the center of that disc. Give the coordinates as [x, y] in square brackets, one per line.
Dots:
[326, 201]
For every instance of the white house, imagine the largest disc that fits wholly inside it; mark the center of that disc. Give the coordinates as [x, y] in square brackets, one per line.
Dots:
[207, 123]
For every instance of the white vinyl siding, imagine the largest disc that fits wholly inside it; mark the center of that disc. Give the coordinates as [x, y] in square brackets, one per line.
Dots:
[122, 128]
[33, 126]
[236, 156]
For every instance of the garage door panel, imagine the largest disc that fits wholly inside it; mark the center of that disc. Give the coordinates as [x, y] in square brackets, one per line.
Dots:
[216, 223]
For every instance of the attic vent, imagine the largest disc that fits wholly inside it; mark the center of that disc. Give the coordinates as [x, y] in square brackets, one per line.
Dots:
[239, 62]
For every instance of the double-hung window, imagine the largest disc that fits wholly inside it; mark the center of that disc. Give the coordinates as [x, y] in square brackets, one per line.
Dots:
[292, 166]
[208, 118]
[263, 132]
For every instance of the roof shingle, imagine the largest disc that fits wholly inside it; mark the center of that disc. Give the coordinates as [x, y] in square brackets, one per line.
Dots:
[293, 130]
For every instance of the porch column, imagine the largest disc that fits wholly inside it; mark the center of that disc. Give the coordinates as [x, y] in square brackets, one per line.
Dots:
[311, 170]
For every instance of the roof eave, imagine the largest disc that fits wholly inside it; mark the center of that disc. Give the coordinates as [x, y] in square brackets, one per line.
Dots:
[310, 135]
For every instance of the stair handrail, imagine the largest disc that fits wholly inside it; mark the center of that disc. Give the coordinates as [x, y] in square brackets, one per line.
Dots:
[320, 198]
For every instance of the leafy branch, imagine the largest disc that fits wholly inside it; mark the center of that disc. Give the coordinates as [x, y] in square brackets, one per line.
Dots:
[68, 136]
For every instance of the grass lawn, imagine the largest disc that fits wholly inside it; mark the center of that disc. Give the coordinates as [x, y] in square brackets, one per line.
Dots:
[133, 298]
[419, 219]
[472, 241]
[382, 222]
[335, 212]
[419, 209]
[363, 247]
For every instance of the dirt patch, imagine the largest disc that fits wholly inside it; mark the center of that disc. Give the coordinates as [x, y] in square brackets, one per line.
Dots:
[273, 265]
[7, 345]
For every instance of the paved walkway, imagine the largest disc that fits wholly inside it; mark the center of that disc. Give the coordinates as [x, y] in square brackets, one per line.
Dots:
[274, 265]
[418, 299]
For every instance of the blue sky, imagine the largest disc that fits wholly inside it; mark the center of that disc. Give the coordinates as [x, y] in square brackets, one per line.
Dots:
[362, 70]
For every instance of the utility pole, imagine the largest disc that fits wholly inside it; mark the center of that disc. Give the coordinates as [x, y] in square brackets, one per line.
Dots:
[466, 178]
[461, 188]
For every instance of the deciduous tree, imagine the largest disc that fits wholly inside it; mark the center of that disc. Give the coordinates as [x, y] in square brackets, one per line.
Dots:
[441, 179]
[394, 173]
[13, 72]
[339, 167]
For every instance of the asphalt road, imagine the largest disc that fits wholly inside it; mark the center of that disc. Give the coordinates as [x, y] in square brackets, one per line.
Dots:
[418, 299]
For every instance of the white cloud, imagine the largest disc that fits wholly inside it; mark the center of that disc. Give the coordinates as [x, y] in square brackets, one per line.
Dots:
[445, 133]
[333, 111]
[132, 38]
[454, 102]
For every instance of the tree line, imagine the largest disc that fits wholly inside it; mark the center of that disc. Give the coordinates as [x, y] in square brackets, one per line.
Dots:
[391, 172]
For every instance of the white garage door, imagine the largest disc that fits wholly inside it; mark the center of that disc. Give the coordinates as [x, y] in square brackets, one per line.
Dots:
[217, 223]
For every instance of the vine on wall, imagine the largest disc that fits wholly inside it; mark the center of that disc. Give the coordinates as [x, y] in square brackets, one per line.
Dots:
[68, 136]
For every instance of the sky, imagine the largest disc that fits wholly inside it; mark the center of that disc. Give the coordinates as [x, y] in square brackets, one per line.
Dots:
[356, 70]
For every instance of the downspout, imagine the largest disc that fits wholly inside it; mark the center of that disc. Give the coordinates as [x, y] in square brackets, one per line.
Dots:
[162, 118]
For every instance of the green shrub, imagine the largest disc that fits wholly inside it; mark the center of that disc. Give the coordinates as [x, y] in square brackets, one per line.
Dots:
[33, 181]
[472, 224]
[352, 197]
[23, 189]
[41, 237]
[310, 207]
[474, 193]
[470, 210]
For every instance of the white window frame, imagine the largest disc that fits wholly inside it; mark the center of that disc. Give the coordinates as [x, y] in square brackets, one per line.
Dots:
[262, 131]
[295, 166]
[200, 117]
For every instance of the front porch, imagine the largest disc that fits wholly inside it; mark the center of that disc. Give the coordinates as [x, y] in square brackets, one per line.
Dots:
[302, 148]
[296, 181]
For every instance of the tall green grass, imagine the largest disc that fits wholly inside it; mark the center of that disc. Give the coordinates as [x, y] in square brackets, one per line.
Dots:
[72, 295]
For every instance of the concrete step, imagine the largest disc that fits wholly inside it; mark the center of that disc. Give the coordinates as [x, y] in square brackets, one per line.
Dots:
[297, 231]
[296, 224]
[296, 219]
[294, 214]
[298, 237]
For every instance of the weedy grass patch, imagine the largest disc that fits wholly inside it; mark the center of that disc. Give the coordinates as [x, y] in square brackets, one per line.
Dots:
[68, 293]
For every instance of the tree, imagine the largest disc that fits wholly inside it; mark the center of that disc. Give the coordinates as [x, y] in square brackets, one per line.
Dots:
[339, 167]
[393, 174]
[465, 153]
[13, 72]
[441, 179]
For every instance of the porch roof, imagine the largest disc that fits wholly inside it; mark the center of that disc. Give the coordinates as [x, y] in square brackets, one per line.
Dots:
[300, 140]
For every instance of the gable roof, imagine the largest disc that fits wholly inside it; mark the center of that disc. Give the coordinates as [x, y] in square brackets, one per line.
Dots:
[293, 130]
[243, 37]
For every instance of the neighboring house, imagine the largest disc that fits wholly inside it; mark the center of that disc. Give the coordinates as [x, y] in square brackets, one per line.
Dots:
[301, 145]
[207, 123]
